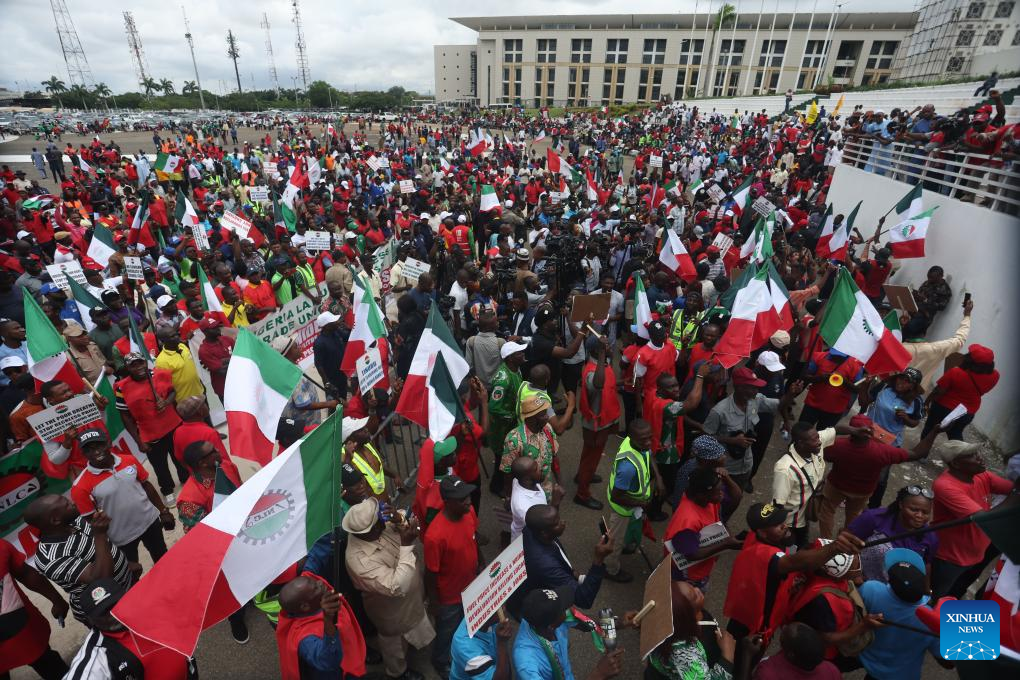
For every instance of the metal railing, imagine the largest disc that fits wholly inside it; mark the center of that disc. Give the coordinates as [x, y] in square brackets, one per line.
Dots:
[975, 178]
[399, 441]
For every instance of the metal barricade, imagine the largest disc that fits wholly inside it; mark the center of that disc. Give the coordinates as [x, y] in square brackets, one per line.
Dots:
[399, 441]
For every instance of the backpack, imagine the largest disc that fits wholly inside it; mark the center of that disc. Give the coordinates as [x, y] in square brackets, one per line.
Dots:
[858, 643]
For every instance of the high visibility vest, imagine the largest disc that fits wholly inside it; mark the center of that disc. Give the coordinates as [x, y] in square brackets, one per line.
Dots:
[640, 461]
[376, 479]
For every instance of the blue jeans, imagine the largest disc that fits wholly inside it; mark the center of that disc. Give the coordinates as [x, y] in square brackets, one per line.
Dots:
[447, 619]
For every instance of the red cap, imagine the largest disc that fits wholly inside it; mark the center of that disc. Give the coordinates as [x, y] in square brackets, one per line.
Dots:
[209, 322]
[745, 376]
[861, 420]
[981, 355]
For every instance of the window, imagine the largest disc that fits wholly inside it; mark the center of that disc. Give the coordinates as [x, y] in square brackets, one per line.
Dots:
[546, 50]
[545, 81]
[1016, 38]
[580, 51]
[577, 85]
[616, 50]
[993, 37]
[730, 89]
[650, 84]
[691, 53]
[881, 55]
[1004, 9]
[654, 52]
[965, 38]
[612, 85]
[772, 53]
[512, 84]
[955, 64]
[730, 55]
[813, 54]
[691, 87]
[513, 50]
[975, 10]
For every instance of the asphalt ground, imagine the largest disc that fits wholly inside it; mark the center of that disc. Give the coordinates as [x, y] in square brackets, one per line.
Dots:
[220, 657]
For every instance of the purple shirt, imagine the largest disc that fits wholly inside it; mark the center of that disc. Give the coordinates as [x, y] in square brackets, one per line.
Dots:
[779, 668]
[880, 522]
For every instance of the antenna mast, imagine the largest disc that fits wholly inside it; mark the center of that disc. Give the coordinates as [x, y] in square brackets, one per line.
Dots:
[137, 52]
[78, 70]
[191, 46]
[302, 56]
[269, 54]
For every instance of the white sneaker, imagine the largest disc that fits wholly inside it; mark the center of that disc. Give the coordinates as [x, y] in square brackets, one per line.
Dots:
[168, 499]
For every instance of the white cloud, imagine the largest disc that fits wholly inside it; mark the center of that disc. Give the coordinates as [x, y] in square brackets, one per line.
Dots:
[364, 43]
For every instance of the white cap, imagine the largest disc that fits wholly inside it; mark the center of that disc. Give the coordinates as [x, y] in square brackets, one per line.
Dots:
[163, 301]
[508, 203]
[424, 216]
[12, 361]
[326, 318]
[443, 215]
[351, 235]
[770, 360]
[461, 219]
[344, 184]
[511, 347]
[349, 426]
[24, 234]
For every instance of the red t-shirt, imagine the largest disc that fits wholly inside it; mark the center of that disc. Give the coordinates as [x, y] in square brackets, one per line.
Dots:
[964, 545]
[468, 452]
[259, 296]
[689, 519]
[161, 664]
[856, 469]
[452, 554]
[137, 398]
[656, 362]
[30, 635]
[193, 431]
[822, 395]
[965, 387]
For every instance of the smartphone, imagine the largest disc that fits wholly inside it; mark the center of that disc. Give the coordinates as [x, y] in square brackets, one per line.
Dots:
[603, 527]
[966, 298]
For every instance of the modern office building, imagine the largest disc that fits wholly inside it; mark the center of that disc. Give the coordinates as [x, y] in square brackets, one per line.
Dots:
[962, 37]
[589, 60]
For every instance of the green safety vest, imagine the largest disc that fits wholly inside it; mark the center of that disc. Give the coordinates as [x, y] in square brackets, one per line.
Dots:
[640, 461]
[524, 391]
[681, 325]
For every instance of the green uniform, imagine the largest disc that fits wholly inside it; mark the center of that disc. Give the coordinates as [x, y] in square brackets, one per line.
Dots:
[503, 405]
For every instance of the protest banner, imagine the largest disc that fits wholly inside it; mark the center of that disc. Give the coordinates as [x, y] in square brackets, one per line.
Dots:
[595, 305]
[657, 625]
[296, 319]
[710, 535]
[23, 479]
[370, 369]
[900, 297]
[494, 585]
[201, 239]
[373, 162]
[654, 161]
[317, 240]
[414, 268]
[236, 224]
[51, 423]
[763, 206]
[259, 193]
[133, 268]
[407, 186]
[723, 243]
[271, 169]
[60, 272]
[384, 256]
[384, 162]
[716, 193]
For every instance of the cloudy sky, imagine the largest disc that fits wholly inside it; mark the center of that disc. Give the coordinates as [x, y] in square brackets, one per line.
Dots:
[366, 44]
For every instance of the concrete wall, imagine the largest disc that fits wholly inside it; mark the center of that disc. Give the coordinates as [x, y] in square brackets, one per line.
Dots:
[978, 249]
[1005, 60]
[452, 72]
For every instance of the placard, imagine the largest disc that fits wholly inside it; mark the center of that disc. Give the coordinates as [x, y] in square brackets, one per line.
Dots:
[494, 586]
[51, 423]
[900, 297]
[60, 272]
[595, 305]
[236, 224]
[296, 319]
[657, 625]
[201, 238]
[655, 161]
[710, 535]
[133, 268]
[716, 193]
[317, 240]
[373, 162]
[763, 206]
[413, 269]
[258, 193]
[384, 162]
[407, 186]
[370, 369]
[384, 256]
[723, 243]
[271, 169]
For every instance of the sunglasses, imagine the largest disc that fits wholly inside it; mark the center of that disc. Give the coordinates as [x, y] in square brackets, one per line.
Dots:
[914, 490]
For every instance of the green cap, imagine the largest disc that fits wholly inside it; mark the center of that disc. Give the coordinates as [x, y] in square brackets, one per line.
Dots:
[445, 448]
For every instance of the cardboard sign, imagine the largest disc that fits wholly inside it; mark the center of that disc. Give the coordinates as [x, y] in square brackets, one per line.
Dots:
[317, 240]
[413, 269]
[270, 169]
[370, 369]
[201, 238]
[495, 585]
[60, 272]
[657, 625]
[236, 224]
[51, 423]
[407, 186]
[655, 161]
[900, 297]
[259, 193]
[384, 162]
[723, 243]
[709, 536]
[384, 256]
[716, 193]
[763, 206]
[133, 268]
[595, 305]
[296, 319]
[373, 162]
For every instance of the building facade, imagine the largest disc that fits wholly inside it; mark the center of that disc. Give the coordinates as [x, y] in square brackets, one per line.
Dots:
[962, 37]
[591, 60]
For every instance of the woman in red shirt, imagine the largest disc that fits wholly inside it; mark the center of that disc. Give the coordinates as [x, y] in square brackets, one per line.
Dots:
[963, 385]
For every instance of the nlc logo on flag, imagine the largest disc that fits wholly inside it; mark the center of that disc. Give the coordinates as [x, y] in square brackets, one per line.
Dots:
[969, 630]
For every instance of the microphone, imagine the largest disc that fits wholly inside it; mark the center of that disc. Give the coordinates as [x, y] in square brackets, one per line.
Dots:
[608, 623]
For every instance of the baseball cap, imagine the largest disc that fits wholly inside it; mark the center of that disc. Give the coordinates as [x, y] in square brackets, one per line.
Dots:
[109, 296]
[132, 357]
[73, 330]
[350, 475]
[523, 255]
[444, 448]
[92, 436]
[209, 322]
[780, 339]
[861, 420]
[283, 344]
[981, 354]
[48, 288]
[770, 360]
[765, 515]
[454, 488]
[511, 347]
[11, 362]
[543, 606]
[351, 425]
[361, 517]
[543, 315]
[952, 449]
[163, 301]
[424, 216]
[100, 596]
[745, 376]
[912, 374]
[906, 580]
[903, 555]
[326, 318]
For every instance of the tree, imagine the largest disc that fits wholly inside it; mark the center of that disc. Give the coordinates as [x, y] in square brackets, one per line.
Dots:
[321, 94]
[724, 18]
[167, 86]
[150, 85]
[80, 93]
[190, 87]
[234, 53]
[55, 86]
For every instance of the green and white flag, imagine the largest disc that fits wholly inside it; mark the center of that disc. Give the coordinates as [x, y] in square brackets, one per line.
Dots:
[85, 301]
[694, 187]
[911, 204]
[209, 299]
[892, 322]
[489, 200]
[672, 188]
[169, 164]
[642, 310]
[102, 247]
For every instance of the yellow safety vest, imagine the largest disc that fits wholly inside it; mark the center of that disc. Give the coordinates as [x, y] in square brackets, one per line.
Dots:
[640, 461]
[376, 479]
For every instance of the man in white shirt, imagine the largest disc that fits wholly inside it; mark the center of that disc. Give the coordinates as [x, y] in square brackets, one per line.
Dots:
[526, 491]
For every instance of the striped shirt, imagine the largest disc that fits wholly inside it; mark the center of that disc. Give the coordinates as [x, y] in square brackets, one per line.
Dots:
[63, 561]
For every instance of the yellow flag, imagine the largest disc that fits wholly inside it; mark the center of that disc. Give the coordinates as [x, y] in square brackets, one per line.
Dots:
[812, 113]
[839, 104]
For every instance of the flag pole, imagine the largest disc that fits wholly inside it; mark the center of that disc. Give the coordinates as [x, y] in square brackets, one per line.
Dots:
[335, 491]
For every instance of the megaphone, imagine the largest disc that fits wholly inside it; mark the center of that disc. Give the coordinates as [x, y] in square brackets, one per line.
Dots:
[836, 380]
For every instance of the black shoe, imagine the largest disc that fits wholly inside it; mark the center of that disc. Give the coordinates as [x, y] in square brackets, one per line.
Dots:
[749, 487]
[620, 577]
[657, 516]
[590, 503]
[372, 656]
[239, 631]
[410, 675]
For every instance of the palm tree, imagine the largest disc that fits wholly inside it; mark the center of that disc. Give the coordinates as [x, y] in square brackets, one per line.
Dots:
[102, 91]
[149, 85]
[55, 86]
[167, 86]
[80, 93]
[190, 87]
[725, 17]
